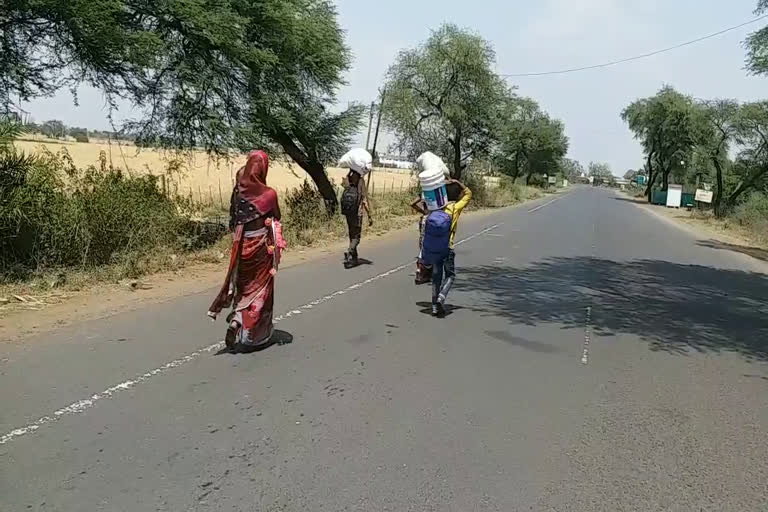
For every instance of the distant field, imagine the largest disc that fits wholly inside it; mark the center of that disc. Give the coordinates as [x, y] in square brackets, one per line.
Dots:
[202, 177]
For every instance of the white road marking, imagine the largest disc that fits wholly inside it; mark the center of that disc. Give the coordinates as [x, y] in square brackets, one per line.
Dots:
[587, 336]
[83, 405]
[545, 204]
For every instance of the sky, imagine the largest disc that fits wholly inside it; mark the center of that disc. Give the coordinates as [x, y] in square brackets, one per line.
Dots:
[542, 35]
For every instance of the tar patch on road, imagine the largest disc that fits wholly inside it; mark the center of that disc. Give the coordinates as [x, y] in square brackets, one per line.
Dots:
[533, 346]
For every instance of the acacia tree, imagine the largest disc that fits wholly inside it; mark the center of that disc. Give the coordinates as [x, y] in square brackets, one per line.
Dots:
[443, 96]
[757, 45]
[516, 133]
[548, 147]
[666, 125]
[218, 74]
[600, 170]
[751, 167]
[529, 142]
[715, 140]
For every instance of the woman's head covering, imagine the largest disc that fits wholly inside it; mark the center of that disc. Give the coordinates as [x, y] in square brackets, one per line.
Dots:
[254, 197]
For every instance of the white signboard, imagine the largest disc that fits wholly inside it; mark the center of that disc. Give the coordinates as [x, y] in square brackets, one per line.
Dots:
[552, 180]
[674, 196]
[704, 196]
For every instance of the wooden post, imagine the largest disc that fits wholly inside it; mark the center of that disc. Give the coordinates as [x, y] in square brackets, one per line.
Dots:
[221, 196]
[199, 194]
[162, 182]
[210, 194]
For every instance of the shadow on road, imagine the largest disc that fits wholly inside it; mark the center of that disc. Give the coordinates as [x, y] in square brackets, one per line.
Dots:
[756, 252]
[676, 308]
[631, 200]
[278, 338]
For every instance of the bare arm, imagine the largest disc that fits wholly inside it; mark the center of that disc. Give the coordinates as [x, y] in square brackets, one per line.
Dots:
[416, 205]
[364, 201]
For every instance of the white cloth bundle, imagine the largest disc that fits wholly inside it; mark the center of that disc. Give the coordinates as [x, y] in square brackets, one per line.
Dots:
[359, 160]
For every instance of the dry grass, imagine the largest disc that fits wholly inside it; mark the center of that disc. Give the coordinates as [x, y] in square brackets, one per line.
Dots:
[205, 178]
[390, 212]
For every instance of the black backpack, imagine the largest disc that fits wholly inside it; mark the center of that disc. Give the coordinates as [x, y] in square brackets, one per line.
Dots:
[350, 201]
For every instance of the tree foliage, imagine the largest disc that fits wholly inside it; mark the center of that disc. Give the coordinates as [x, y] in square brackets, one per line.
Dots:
[572, 169]
[443, 96]
[599, 170]
[530, 142]
[218, 74]
[667, 126]
[757, 45]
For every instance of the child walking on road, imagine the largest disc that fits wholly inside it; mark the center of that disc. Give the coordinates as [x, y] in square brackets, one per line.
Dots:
[437, 248]
[354, 202]
[423, 271]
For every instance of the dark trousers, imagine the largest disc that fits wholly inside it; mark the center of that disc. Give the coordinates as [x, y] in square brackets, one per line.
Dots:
[443, 276]
[355, 226]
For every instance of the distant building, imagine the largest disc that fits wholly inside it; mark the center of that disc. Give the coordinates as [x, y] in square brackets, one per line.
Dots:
[396, 162]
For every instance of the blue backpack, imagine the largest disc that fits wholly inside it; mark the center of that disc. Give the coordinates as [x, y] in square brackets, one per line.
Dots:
[437, 237]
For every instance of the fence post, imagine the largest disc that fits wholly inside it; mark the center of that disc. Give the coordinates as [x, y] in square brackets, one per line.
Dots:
[221, 196]
[162, 182]
[199, 194]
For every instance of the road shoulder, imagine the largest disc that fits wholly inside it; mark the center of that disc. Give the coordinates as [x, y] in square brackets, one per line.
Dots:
[708, 234]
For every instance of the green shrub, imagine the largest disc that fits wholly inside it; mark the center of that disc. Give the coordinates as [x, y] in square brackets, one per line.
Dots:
[480, 190]
[305, 207]
[753, 214]
[56, 215]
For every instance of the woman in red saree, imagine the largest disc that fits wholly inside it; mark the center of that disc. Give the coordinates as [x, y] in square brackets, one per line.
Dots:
[256, 248]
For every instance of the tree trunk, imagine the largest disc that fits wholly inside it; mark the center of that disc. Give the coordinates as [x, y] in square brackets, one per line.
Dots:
[457, 155]
[743, 187]
[665, 180]
[717, 203]
[517, 167]
[651, 178]
[314, 168]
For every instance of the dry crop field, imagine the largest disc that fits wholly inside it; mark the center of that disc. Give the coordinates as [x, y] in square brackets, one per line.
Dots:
[203, 177]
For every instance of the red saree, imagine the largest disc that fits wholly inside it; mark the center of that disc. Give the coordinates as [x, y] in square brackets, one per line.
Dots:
[254, 257]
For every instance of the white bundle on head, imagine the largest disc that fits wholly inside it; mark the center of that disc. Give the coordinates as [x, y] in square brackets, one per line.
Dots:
[429, 161]
[359, 160]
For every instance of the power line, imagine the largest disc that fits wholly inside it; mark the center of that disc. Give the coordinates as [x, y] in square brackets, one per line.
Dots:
[638, 57]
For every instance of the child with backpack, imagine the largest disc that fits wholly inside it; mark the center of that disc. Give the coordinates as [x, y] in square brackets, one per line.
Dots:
[437, 247]
[423, 271]
[354, 201]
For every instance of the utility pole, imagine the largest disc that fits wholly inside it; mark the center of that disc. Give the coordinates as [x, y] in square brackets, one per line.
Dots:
[378, 122]
[378, 125]
[370, 124]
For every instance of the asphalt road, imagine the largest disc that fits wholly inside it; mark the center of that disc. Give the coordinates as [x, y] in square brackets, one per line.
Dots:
[595, 358]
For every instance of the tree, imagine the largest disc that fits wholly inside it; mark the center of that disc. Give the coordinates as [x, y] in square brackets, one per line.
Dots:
[599, 170]
[715, 140]
[515, 134]
[54, 129]
[751, 166]
[757, 45]
[549, 146]
[667, 126]
[218, 74]
[444, 96]
[529, 142]
[572, 169]
[630, 175]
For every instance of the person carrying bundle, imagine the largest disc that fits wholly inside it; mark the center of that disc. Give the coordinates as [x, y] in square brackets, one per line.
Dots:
[440, 230]
[354, 200]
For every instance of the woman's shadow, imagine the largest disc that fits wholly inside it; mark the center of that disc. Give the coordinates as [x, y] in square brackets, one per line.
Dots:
[360, 262]
[278, 338]
[426, 308]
